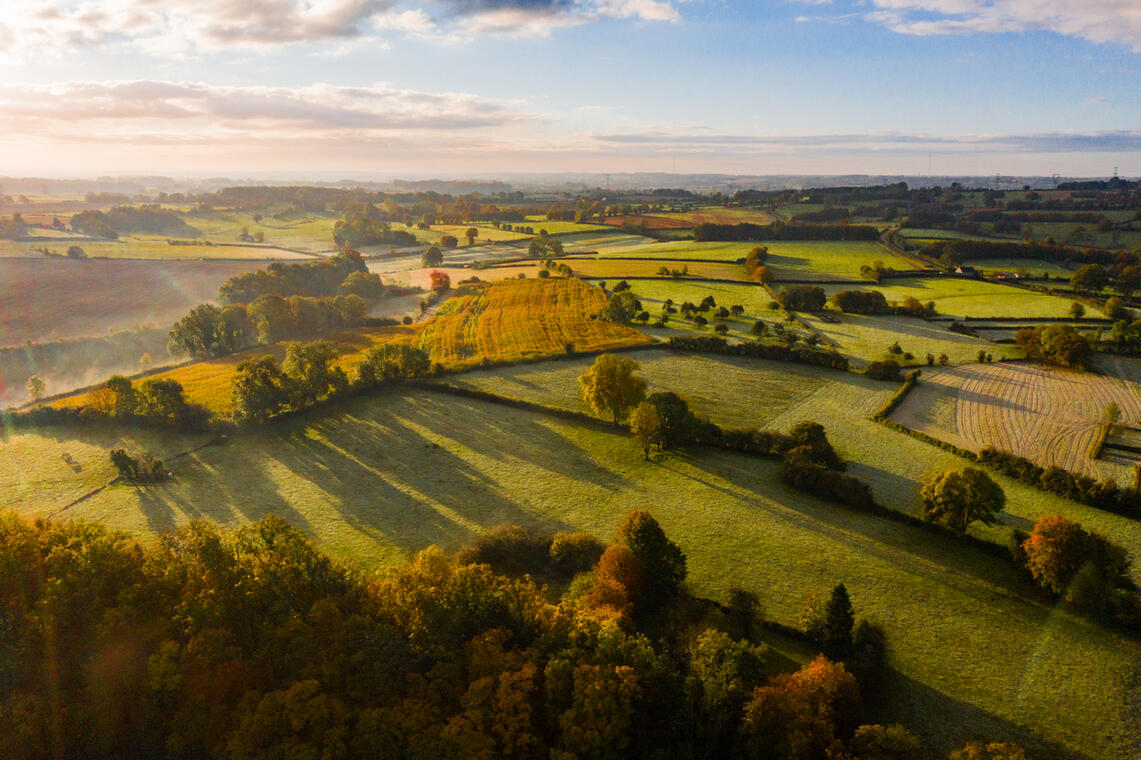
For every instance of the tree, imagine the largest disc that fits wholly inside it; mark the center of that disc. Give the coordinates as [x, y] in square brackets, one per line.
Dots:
[830, 624]
[440, 281]
[260, 389]
[1055, 552]
[610, 386]
[75, 252]
[621, 307]
[1090, 278]
[878, 742]
[471, 233]
[675, 419]
[35, 388]
[1077, 311]
[307, 365]
[956, 498]
[124, 398]
[646, 426]
[662, 561]
[432, 257]
[449, 241]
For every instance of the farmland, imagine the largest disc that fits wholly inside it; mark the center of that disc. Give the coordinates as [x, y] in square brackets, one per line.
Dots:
[1051, 416]
[828, 260]
[970, 298]
[375, 480]
[509, 321]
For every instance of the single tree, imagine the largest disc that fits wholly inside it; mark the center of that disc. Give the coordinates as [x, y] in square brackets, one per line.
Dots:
[956, 498]
[35, 388]
[610, 386]
[646, 425]
[432, 257]
[471, 233]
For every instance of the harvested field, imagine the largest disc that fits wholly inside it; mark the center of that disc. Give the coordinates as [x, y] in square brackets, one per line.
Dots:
[53, 299]
[521, 319]
[1049, 415]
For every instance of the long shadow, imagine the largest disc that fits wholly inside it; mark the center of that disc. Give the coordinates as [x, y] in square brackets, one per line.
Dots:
[900, 699]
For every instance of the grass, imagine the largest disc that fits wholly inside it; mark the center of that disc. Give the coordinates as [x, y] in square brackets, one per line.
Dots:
[720, 215]
[376, 479]
[683, 249]
[970, 298]
[149, 247]
[654, 292]
[617, 269]
[1030, 267]
[816, 260]
[560, 227]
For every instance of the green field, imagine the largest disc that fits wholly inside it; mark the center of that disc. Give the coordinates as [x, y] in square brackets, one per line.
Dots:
[375, 480]
[149, 247]
[1027, 267]
[654, 292]
[682, 249]
[970, 298]
[828, 260]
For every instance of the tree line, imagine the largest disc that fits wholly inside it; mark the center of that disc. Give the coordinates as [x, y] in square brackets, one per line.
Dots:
[254, 644]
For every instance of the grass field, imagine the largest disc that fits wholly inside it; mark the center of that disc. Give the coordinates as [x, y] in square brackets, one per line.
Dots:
[682, 249]
[1029, 267]
[149, 247]
[828, 260]
[867, 338]
[719, 215]
[617, 269]
[52, 299]
[970, 298]
[1051, 416]
[374, 480]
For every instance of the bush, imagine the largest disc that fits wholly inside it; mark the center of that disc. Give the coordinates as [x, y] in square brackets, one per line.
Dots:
[574, 553]
[510, 549]
[885, 370]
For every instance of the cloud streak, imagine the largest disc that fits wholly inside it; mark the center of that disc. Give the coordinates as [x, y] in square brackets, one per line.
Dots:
[169, 27]
[1101, 21]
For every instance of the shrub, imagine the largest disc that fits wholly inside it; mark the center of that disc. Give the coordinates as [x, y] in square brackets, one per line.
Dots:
[574, 553]
[510, 549]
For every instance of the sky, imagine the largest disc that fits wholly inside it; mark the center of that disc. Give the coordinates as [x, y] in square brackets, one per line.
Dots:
[456, 88]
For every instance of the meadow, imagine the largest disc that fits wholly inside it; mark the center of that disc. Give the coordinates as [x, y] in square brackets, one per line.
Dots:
[374, 480]
[829, 260]
[144, 247]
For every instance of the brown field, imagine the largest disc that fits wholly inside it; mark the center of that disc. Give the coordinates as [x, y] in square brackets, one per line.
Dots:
[651, 222]
[521, 319]
[516, 319]
[1049, 415]
[724, 216]
[54, 299]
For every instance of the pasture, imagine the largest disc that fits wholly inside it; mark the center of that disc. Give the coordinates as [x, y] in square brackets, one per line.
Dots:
[53, 299]
[961, 297]
[682, 249]
[1049, 415]
[146, 247]
[374, 480]
[1026, 267]
[828, 260]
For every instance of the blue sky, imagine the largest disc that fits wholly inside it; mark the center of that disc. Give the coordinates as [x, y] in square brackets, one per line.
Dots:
[458, 87]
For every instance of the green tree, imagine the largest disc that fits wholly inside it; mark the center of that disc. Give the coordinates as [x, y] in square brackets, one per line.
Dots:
[830, 624]
[646, 426]
[956, 498]
[312, 379]
[471, 233]
[878, 742]
[611, 386]
[1090, 278]
[675, 419]
[432, 257]
[123, 397]
[1077, 311]
[662, 561]
[260, 389]
[622, 307]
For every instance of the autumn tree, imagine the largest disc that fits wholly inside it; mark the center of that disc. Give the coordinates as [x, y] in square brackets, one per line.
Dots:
[439, 281]
[662, 561]
[307, 366]
[646, 426]
[956, 498]
[611, 386]
[260, 389]
[989, 751]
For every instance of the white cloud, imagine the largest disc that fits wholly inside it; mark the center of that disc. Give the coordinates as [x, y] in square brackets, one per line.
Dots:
[1116, 21]
[194, 110]
[173, 27]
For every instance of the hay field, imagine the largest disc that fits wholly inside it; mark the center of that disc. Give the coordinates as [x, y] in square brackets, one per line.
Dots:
[1049, 415]
[374, 480]
[53, 299]
[522, 319]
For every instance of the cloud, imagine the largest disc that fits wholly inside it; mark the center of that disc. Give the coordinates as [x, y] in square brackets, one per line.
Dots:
[1115, 21]
[1118, 141]
[125, 109]
[173, 27]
